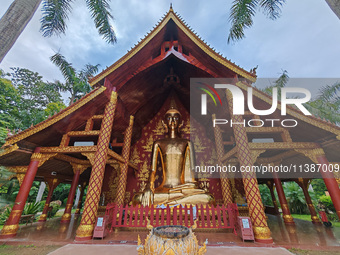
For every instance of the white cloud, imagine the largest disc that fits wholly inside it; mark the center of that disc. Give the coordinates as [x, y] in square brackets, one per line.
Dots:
[304, 41]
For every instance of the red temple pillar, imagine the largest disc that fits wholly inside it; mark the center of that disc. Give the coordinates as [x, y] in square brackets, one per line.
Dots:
[12, 224]
[272, 194]
[124, 169]
[303, 183]
[85, 229]
[256, 210]
[328, 177]
[225, 183]
[78, 170]
[52, 184]
[287, 217]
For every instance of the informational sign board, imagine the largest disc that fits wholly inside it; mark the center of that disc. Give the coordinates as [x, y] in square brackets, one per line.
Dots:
[245, 229]
[100, 229]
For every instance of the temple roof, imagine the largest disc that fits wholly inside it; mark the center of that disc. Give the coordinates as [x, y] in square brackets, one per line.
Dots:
[184, 35]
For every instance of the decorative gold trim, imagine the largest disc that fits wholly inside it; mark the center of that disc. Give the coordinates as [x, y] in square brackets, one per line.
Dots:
[315, 219]
[282, 146]
[312, 154]
[84, 133]
[85, 230]
[78, 167]
[69, 149]
[255, 154]
[71, 159]
[20, 178]
[262, 232]
[285, 206]
[43, 217]
[288, 218]
[36, 156]
[66, 216]
[9, 150]
[10, 229]
[44, 157]
[171, 15]
[17, 169]
[42, 125]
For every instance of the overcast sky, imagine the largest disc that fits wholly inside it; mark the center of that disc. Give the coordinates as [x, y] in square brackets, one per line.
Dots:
[304, 41]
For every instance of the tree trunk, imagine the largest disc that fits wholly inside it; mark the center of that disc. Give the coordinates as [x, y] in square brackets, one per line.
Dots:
[14, 22]
[335, 6]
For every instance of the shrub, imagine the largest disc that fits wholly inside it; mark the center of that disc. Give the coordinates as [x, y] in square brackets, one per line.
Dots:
[31, 208]
[42, 204]
[327, 201]
[55, 207]
[65, 201]
[5, 214]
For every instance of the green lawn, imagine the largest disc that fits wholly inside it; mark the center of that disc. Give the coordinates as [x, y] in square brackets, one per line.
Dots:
[307, 217]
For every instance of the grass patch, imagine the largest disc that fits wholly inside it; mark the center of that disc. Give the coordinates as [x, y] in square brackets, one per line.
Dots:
[312, 252]
[307, 218]
[30, 249]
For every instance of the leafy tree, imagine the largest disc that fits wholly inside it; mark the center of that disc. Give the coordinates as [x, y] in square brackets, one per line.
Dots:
[265, 195]
[279, 83]
[55, 13]
[242, 13]
[76, 83]
[319, 187]
[35, 96]
[9, 114]
[295, 198]
[61, 192]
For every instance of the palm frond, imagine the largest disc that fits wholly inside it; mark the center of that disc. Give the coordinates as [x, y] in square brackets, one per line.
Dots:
[282, 80]
[55, 13]
[241, 17]
[330, 92]
[66, 68]
[88, 71]
[272, 8]
[100, 12]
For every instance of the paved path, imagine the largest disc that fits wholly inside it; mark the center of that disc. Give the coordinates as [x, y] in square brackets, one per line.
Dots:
[85, 249]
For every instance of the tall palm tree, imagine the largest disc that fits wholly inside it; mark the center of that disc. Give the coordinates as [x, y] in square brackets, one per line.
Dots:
[76, 83]
[242, 13]
[53, 22]
[327, 104]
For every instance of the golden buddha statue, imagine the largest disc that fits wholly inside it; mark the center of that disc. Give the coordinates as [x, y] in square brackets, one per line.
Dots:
[177, 158]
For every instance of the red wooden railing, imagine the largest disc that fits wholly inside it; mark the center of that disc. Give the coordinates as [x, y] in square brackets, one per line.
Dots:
[206, 216]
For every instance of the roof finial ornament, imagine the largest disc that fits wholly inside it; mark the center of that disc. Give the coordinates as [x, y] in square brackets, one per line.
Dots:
[171, 7]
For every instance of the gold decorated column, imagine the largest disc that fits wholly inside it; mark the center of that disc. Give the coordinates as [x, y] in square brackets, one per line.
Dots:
[303, 183]
[272, 194]
[286, 215]
[318, 156]
[120, 195]
[51, 184]
[77, 171]
[225, 183]
[85, 229]
[251, 188]
[12, 224]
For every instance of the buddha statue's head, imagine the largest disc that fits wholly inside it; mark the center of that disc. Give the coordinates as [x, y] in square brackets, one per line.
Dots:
[172, 122]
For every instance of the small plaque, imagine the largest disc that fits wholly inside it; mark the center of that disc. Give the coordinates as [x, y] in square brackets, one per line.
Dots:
[100, 222]
[245, 223]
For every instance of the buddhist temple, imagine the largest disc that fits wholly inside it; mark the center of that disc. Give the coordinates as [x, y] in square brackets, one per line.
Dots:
[105, 140]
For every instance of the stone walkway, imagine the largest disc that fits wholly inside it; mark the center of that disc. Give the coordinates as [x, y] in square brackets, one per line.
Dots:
[87, 249]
